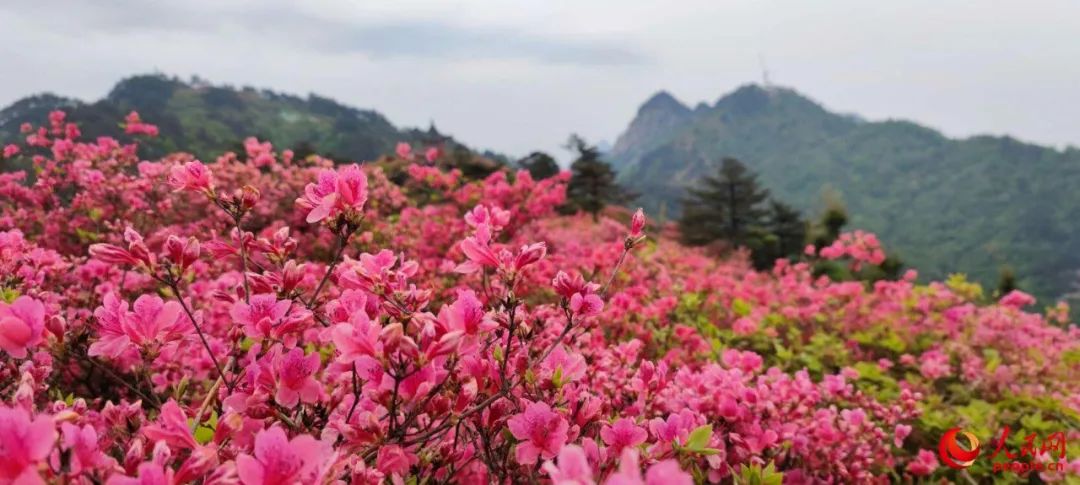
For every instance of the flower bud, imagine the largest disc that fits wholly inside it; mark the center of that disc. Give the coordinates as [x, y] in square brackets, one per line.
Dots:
[637, 224]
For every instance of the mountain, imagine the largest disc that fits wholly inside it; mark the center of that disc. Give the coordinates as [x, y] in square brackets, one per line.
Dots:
[973, 205]
[207, 120]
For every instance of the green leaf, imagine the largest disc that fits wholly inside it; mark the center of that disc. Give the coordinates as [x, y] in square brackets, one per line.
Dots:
[741, 307]
[9, 295]
[204, 435]
[556, 378]
[755, 475]
[699, 438]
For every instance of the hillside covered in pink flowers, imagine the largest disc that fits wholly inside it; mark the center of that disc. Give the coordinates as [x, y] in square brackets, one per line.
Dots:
[264, 319]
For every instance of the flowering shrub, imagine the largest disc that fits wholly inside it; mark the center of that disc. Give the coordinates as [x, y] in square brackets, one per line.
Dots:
[260, 319]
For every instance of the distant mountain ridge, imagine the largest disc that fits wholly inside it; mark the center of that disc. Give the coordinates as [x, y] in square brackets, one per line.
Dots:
[970, 205]
[209, 119]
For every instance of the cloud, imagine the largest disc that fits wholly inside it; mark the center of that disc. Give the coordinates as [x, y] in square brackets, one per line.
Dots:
[435, 40]
[339, 31]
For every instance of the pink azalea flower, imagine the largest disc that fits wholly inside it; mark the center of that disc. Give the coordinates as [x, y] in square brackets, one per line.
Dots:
[280, 461]
[566, 286]
[191, 176]
[924, 463]
[902, 431]
[21, 325]
[295, 381]
[152, 323]
[136, 253]
[666, 472]
[582, 296]
[623, 434]
[747, 361]
[135, 126]
[637, 223]
[466, 314]
[542, 432]
[529, 254]
[337, 193]
[479, 252]
[569, 366]
[744, 326]
[11, 150]
[493, 217]
[432, 154]
[1017, 299]
[83, 445]
[358, 342]
[392, 460]
[573, 467]
[404, 150]
[182, 253]
[584, 305]
[261, 314]
[356, 338]
[934, 364]
[149, 473]
[171, 427]
[153, 320]
[25, 444]
[112, 340]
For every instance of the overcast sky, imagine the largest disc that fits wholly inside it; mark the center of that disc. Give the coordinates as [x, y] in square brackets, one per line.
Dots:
[518, 76]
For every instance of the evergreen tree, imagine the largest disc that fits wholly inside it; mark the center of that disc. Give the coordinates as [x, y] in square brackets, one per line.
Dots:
[592, 183]
[1006, 281]
[540, 165]
[726, 206]
[788, 226]
[832, 222]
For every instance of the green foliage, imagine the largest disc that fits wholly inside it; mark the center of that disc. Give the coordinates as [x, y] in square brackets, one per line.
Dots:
[1006, 282]
[592, 183]
[540, 165]
[208, 120]
[697, 442]
[756, 475]
[731, 206]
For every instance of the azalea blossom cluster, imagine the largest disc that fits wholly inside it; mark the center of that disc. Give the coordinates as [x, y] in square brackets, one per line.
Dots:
[860, 246]
[259, 319]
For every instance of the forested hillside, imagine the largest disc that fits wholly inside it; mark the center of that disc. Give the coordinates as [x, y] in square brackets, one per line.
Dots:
[975, 205]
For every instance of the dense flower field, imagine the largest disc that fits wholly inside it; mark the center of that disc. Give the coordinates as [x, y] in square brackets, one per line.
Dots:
[263, 319]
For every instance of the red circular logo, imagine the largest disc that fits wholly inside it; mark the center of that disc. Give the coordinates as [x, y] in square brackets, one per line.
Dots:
[953, 454]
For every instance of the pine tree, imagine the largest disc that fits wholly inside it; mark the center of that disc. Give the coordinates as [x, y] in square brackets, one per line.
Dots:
[832, 222]
[788, 226]
[1006, 281]
[726, 206]
[540, 165]
[592, 183]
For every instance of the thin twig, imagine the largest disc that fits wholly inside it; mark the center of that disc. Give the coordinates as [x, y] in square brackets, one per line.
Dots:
[566, 329]
[149, 398]
[614, 271]
[356, 385]
[202, 337]
[339, 249]
[210, 396]
[243, 259]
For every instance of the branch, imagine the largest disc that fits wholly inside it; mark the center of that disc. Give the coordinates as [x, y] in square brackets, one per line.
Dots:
[615, 271]
[339, 249]
[210, 395]
[243, 259]
[221, 373]
[149, 398]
